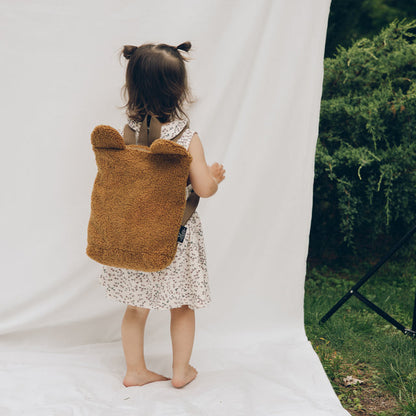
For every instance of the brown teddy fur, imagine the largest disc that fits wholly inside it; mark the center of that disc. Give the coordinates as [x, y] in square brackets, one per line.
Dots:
[137, 202]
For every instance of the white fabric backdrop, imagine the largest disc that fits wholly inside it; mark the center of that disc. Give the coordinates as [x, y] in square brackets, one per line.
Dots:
[256, 72]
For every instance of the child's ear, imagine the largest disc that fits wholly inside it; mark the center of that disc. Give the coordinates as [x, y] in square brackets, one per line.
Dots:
[107, 137]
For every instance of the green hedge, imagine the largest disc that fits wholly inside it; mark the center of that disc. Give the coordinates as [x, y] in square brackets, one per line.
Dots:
[365, 163]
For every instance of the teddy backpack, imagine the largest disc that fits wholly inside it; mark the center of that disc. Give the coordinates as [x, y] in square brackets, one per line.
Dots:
[139, 204]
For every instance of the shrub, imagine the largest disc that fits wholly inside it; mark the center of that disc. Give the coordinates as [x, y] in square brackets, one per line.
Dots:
[365, 162]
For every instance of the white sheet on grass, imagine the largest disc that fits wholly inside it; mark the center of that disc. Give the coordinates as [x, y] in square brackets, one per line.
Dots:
[256, 71]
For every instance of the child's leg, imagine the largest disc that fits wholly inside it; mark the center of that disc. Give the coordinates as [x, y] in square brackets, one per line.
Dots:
[182, 329]
[132, 333]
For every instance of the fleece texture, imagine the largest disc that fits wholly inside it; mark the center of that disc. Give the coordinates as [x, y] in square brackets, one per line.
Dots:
[137, 202]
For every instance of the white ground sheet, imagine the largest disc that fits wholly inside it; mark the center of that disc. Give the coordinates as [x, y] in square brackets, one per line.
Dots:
[256, 71]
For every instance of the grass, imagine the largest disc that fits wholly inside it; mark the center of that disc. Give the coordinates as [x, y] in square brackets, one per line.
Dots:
[358, 342]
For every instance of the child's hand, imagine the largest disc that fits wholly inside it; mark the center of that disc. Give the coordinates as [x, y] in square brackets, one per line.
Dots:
[217, 172]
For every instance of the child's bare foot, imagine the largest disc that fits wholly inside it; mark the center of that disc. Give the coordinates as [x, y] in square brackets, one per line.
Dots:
[141, 378]
[183, 377]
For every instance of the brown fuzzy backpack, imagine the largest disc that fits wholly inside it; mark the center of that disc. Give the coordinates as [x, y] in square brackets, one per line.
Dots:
[138, 202]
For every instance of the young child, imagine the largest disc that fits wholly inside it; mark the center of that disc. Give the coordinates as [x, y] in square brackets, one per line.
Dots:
[156, 84]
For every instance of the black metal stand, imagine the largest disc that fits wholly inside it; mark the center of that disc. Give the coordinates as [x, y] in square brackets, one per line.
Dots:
[358, 295]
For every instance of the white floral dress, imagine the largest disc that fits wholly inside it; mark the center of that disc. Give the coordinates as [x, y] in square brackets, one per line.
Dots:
[185, 280]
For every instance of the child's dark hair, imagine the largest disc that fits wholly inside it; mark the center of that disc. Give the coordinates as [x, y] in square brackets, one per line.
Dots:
[156, 81]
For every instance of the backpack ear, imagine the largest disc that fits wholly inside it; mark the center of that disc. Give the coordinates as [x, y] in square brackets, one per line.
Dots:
[167, 147]
[107, 137]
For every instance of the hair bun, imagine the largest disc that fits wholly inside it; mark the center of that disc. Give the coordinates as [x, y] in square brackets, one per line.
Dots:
[186, 46]
[128, 51]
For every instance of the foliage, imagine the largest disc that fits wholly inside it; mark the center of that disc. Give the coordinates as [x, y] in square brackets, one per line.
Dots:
[350, 20]
[365, 163]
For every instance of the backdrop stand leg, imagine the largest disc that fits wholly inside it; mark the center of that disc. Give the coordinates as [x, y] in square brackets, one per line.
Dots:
[414, 316]
[354, 292]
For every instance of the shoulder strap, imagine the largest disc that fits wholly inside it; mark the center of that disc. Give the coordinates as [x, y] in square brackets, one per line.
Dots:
[147, 134]
[129, 135]
[191, 204]
[150, 130]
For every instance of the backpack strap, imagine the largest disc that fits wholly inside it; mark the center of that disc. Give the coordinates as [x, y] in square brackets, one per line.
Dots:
[150, 130]
[129, 135]
[147, 134]
[190, 207]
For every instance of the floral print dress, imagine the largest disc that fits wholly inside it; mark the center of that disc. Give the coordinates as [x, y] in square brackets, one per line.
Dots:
[185, 280]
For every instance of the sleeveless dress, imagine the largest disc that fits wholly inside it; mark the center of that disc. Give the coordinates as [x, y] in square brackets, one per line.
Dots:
[185, 280]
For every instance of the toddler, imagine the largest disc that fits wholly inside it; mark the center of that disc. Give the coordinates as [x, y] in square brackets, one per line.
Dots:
[156, 85]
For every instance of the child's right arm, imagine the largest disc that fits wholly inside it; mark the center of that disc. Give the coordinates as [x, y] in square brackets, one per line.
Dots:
[204, 178]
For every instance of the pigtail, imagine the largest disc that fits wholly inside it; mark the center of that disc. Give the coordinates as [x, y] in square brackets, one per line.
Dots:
[128, 51]
[185, 46]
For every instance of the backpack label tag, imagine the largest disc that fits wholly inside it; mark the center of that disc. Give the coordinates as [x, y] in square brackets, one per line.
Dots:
[181, 235]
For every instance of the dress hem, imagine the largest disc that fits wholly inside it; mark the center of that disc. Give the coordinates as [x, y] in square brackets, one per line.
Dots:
[168, 307]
